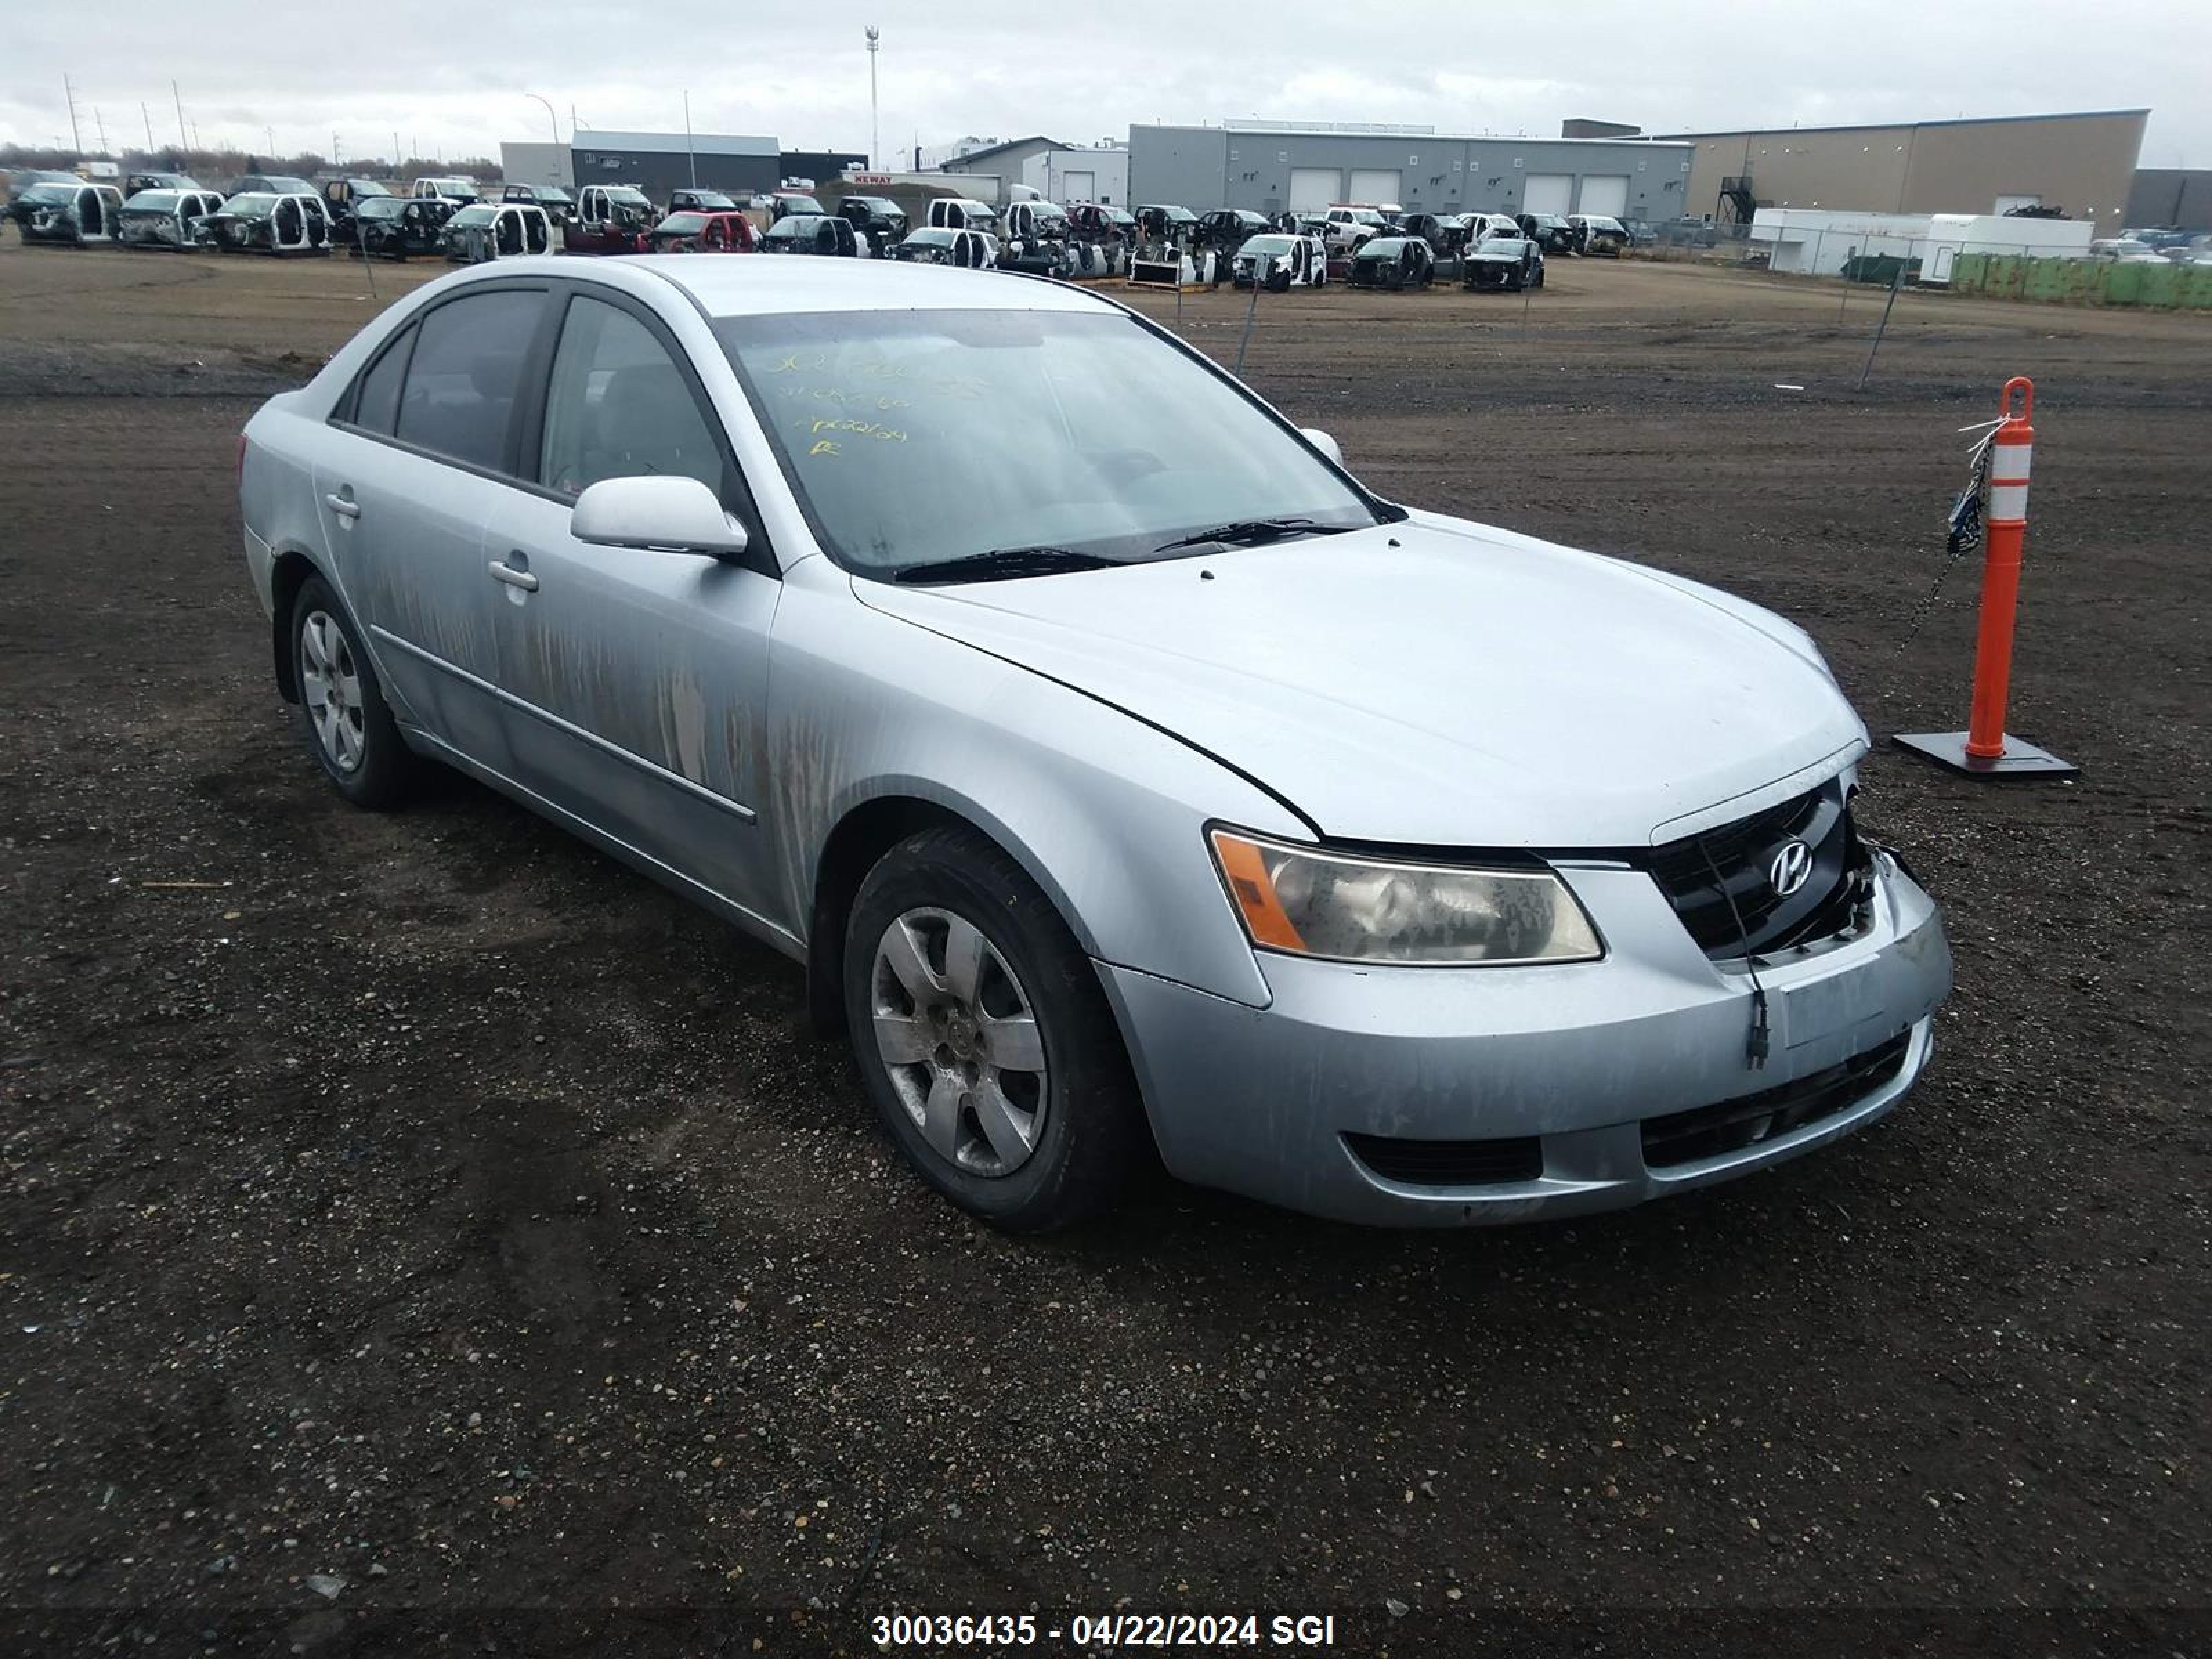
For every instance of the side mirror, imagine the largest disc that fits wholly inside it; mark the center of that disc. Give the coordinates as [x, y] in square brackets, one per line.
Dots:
[1320, 439]
[658, 514]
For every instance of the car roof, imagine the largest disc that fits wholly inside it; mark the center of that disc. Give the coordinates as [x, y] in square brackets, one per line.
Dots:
[747, 288]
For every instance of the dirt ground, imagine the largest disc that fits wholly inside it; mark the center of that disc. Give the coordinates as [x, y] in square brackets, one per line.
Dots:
[422, 1212]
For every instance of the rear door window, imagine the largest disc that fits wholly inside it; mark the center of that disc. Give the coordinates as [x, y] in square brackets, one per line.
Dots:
[376, 409]
[466, 375]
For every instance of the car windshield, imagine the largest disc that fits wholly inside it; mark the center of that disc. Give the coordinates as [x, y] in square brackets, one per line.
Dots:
[912, 437]
[47, 193]
[1596, 222]
[1512, 245]
[249, 207]
[281, 184]
[1382, 247]
[151, 201]
[794, 226]
[710, 198]
[626, 196]
[873, 204]
[680, 224]
[553, 196]
[366, 187]
[383, 207]
[800, 205]
[1267, 245]
[474, 215]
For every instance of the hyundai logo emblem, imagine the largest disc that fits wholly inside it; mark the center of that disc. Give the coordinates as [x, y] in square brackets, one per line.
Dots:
[1791, 869]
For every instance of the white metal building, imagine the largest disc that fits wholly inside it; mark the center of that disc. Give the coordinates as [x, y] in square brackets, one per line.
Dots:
[1057, 172]
[1818, 243]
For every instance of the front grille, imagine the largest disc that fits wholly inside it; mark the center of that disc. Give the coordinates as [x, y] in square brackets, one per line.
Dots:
[1701, 874]
[1710, 1131]
[1449, 1163]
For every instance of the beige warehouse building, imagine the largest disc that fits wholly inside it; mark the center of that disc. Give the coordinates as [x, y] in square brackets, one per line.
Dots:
[2084, 163]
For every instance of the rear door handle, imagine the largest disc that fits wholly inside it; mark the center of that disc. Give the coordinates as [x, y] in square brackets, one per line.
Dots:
[513, 578]
[343, 507]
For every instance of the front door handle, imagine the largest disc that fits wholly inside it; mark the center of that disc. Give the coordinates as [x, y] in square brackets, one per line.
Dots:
[513, 578]
[342, 506]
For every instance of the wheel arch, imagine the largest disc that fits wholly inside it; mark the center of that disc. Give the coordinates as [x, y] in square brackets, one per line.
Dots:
[287, 574]
[864, 831]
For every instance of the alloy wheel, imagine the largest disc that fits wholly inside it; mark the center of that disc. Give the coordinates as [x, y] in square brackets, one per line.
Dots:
[330, 684]
[958, 1037]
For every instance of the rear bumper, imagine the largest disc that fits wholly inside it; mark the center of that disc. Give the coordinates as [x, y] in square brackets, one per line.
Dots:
[1562, 1065]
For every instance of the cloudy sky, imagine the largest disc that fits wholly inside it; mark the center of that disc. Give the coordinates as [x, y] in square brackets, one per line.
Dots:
[453, 78]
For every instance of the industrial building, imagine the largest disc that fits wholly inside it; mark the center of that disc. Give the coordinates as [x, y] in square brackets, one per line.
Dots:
[2180, 197]
[658, 162]
[1271, 166]
[1057, 172]
[2083, 164]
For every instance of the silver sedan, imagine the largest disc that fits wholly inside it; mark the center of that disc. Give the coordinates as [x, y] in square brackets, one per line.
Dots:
[1124, 773]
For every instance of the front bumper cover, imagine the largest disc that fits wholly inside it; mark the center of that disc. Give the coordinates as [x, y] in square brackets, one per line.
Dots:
[1258, 1101]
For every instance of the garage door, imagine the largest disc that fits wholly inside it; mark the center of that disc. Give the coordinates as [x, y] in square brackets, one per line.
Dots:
[1374, 185]
[1606, 194]
[1548, 192]
[1079, 186]
[1313, 189]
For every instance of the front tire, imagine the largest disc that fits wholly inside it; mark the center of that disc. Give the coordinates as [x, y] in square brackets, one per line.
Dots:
[984, 1038]
[343, 716]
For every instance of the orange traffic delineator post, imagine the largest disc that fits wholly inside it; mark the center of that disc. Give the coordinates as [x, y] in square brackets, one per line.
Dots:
[1984, 750]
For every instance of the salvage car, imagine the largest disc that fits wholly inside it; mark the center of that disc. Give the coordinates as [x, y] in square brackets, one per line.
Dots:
[1597, 235]
[135, 182]
[1350, 224]
[782, 203]
[343, 197]
[560, 206]
[270, 184]
[395, 226]
[878, 221]
[1100, 221]
[1115, 767]
[700, 201]
[496, 230]
[1392, 262]
[1036, 239]
[1548, 231]
[1291, 261]
[1165, 225]
[1227, 228]
[811, 233]
[166, 218]
[73, 214]
[258, 223]
[21, 181]
[960, 213]
[935, 245]
[704, 233]
[609, 219]
[457, 188]
[1507, 262]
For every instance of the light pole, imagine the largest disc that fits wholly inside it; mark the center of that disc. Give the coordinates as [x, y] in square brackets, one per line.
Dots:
[875, 132]
[550, 114]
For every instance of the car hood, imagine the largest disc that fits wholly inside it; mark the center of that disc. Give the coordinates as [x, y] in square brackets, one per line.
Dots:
[1435, 683]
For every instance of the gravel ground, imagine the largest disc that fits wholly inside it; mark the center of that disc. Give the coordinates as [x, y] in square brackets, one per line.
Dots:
[413, 1216]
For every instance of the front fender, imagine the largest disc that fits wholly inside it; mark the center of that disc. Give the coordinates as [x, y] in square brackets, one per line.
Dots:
[1107, 814]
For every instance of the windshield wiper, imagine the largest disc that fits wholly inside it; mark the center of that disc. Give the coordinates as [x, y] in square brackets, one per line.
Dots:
[1251, 532]
[1003, 562]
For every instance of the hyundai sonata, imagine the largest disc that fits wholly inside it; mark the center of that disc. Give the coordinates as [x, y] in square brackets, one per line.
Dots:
[1125, 773]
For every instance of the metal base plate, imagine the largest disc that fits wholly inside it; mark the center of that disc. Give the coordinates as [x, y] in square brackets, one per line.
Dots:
[2019, 760]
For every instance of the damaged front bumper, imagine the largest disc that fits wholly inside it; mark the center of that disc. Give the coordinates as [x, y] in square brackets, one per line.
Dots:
[1455, 1097]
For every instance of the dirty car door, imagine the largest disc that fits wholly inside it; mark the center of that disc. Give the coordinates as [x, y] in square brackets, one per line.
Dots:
[405, 486]
[641, 678]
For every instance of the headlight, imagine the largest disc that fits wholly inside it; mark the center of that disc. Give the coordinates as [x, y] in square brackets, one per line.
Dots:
[1308, 903]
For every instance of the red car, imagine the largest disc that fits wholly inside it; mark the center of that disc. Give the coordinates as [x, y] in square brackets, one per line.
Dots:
[704, 233]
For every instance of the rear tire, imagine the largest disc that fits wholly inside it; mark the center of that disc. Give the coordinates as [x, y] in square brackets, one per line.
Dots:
[984, 1038]
[341, 713]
